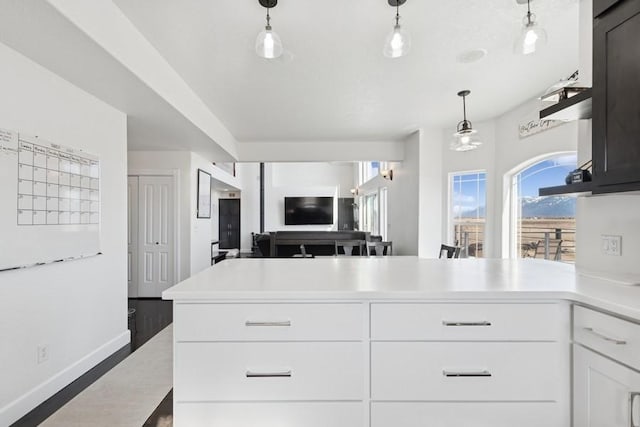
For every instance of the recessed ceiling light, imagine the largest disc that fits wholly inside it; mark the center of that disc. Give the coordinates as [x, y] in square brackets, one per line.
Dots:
[473, 55]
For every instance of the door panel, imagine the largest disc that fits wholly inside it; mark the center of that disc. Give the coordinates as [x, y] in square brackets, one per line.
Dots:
[132, 236]
[605, 393]
[229, 223]
[156, 235]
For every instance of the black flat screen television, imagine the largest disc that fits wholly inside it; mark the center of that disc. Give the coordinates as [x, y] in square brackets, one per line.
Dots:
[308, 210]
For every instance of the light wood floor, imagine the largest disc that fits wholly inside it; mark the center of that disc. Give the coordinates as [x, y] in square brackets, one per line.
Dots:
[126, 395]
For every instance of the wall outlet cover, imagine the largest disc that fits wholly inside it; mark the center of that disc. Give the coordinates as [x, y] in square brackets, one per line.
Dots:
[611, 245]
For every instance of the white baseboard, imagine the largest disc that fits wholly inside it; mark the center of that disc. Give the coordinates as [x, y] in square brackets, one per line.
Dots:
[34, 397]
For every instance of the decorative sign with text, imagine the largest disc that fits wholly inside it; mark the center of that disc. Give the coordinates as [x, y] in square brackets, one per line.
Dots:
[536, 126]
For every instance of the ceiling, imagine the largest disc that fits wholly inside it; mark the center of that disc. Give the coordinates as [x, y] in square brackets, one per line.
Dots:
[335, 85]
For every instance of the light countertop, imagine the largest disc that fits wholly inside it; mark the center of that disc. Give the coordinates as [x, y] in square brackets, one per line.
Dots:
[402, 279]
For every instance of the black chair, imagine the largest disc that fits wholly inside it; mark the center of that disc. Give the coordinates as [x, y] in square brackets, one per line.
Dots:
[451, 251]
[348, 246]
[379, 248]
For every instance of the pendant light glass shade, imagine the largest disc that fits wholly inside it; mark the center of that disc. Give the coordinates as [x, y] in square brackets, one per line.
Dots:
[531, 37]
[465, 141]
[268, 44]
[398, 43]
[466, 137]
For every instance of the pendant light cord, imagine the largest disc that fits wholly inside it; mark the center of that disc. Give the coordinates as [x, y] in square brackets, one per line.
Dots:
[464, 107]
[397, 13]
[528, 12]
[268, 18]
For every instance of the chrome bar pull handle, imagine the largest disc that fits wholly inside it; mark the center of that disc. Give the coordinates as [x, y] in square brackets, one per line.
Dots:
[283, 323]
[281, 374]
[632, 401]
[604, 337]
[483, 373]
[454, 323]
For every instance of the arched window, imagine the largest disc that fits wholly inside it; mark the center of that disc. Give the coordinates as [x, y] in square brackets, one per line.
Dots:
[542, 226]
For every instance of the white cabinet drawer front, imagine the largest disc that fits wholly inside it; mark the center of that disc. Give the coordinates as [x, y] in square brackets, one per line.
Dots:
[268, 322]
[468, 414]
[268, 371]
[472, 322]
[268, 415]
[614, 337]
[467, 371]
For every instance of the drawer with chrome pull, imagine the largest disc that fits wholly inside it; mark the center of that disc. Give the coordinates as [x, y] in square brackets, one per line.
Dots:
[612, 336]
[463, 371]
[468, 322]
[269, 414]
[466, 414]
[261, 371]
[268, 322]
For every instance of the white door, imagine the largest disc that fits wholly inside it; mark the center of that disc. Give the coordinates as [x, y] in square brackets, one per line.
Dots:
[156, 235]
[606, 394]
[132, 236]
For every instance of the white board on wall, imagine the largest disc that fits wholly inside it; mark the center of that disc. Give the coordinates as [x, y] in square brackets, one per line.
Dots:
[49, 202]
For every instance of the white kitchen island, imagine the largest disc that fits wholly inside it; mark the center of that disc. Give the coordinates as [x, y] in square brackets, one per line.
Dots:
[389, 342]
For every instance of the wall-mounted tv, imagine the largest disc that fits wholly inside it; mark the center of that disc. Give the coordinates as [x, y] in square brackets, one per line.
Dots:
[308, 210]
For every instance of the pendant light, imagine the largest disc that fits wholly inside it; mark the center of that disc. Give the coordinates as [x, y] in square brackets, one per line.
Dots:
[398, 41]
[268, 44]
[465, 138]
[532, 35]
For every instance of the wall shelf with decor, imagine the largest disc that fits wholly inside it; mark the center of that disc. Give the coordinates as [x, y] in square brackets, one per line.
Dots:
[577, 107]
[577, 188]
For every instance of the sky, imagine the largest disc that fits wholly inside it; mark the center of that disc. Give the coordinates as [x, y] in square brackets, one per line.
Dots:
[548, 173]
[469, 190]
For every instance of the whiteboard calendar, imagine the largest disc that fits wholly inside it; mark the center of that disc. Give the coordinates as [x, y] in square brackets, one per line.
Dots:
[50, 208]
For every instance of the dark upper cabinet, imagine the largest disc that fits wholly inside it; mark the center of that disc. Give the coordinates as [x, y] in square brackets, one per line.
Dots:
[601, 6]
[616, 96]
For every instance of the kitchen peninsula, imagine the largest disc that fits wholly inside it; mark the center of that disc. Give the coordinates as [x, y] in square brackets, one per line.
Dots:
[401, 341]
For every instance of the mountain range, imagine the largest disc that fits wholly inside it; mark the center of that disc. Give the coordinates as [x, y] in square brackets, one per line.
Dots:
[537, 207]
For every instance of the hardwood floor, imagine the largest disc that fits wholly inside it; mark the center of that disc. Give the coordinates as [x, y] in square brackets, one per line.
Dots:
[151, 316]
[163, 415]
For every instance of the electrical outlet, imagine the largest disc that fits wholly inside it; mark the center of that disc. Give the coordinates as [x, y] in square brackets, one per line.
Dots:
[43, 353]
[612, 245]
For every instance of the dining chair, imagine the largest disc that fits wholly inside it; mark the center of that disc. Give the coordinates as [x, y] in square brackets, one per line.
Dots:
[379, 248]
[348, 247]
[450, 251]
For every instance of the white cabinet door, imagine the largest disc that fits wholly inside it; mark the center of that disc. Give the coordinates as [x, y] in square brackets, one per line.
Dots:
[606, 394]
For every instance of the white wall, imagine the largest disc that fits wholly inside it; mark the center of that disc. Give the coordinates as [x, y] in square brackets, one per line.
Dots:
[482, 159]
[617, 214]
[502, 153]
[303, 179]
[430, 192]
[513, 152]
[320, 151]
[78, 309]
[403, 200]
[249, 203]
[194, 234]
[201, 233]
[168, 162]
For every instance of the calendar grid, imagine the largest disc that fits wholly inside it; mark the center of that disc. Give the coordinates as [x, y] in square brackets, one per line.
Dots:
[56, 186]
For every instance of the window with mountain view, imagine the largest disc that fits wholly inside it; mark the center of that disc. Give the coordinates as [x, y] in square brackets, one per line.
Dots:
[468, 211]
[546, 226]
